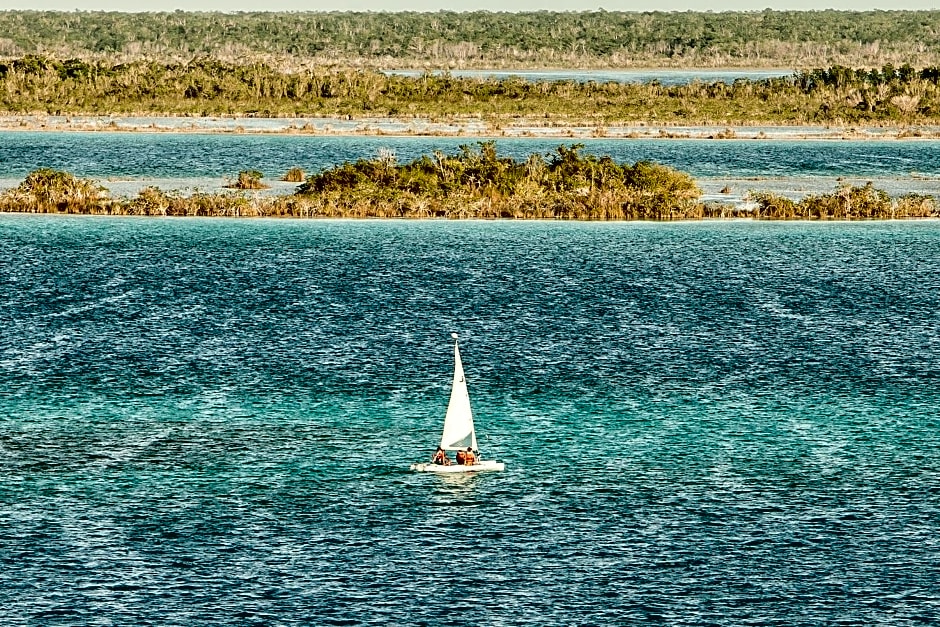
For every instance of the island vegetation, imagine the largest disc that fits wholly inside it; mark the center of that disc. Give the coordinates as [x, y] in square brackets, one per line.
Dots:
[837, 95]
[480, 39]
[848, 202]
[474, 183]
[331, 65]
[248, 179]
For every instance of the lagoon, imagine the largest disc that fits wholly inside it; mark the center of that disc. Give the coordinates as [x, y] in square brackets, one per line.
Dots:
[210, 421]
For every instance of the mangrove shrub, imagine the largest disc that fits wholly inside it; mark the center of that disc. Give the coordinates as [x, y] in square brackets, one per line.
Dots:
[474, 183]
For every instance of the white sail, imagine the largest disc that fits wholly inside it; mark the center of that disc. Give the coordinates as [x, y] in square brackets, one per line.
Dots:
[458, 423]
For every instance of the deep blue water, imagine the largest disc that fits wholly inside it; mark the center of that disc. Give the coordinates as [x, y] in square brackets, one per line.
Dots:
[209, 422]
[168, 155]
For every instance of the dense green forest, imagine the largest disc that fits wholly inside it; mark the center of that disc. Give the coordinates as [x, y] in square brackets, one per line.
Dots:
[838, 95]
[480, 39]
[474, 183]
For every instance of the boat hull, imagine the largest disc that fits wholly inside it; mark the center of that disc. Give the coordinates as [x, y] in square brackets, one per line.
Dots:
[481, 466]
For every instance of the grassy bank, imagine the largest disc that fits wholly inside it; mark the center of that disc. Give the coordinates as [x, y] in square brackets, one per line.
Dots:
[475, 183]
[832, 96]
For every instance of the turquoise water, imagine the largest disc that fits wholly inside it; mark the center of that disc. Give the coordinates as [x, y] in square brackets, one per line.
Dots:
[103, 154]
[211, 421]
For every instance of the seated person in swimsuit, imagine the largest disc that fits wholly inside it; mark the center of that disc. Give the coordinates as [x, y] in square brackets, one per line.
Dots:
[469, 458]
[440, 457]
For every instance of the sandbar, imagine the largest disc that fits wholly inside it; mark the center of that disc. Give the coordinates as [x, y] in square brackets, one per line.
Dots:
[471, 127]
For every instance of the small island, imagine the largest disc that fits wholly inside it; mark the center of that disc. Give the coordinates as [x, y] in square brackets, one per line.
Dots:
[34, 86]
[475, 183]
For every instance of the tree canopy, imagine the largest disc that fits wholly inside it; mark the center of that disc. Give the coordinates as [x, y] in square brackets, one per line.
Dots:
[484, 39]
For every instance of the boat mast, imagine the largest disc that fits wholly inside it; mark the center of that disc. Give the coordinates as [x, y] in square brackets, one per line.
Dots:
[458, 422]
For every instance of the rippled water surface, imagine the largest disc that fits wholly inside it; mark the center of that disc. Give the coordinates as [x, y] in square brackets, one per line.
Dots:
[104, 154]
[211, 421]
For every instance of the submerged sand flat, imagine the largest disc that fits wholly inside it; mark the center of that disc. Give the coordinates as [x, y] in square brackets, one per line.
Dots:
[457, 127]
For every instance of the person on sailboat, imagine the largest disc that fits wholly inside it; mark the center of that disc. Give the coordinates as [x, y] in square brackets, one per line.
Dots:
[469, 458]
[440, 457]
[461, 457]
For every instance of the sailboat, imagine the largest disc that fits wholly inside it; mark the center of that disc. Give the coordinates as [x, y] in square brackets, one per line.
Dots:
[459, 434]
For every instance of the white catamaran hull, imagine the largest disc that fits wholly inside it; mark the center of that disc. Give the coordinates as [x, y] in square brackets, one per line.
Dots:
[477, 467]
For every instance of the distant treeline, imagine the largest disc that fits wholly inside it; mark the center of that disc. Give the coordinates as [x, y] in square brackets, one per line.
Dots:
[835, 95]
[487, 40]
[475, 183]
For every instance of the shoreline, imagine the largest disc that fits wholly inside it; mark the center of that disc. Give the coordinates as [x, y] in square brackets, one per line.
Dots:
[322, 218]
[470, 127]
